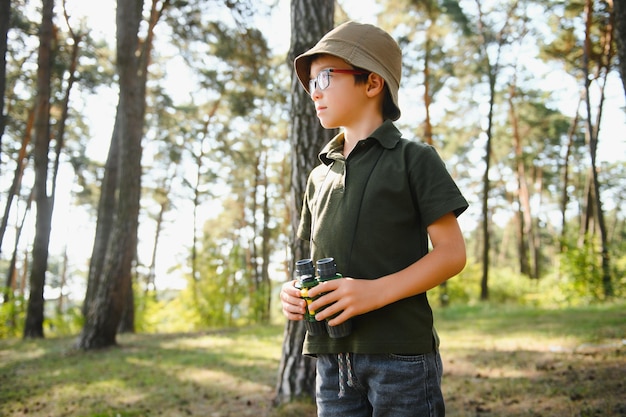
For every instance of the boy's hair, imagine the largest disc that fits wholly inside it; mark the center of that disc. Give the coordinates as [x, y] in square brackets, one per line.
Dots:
[365, 47]
[389, 107]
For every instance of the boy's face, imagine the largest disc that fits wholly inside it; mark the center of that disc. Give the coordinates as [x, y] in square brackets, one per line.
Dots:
[339, 103]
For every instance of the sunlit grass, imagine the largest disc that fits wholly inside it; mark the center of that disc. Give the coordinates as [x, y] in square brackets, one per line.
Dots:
[525, 361]
[498, 360]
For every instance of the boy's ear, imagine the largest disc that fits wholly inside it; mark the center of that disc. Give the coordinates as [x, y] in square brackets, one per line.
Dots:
[375, 84]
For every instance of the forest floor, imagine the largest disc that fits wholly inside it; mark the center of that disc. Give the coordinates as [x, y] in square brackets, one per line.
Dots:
[498, 361]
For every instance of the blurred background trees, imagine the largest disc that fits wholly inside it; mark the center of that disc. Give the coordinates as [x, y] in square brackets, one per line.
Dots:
[174, 208]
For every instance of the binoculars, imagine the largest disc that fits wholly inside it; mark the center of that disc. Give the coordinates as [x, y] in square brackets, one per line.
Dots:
[306, 279]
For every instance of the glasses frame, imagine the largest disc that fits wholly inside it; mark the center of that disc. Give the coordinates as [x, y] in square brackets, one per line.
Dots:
[314, 83]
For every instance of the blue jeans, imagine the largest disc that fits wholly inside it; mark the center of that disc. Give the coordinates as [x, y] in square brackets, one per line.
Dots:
[379, 385]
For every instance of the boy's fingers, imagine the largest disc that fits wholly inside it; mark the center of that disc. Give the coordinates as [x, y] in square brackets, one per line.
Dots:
[322, 302]
[324, 287]
[293, 305]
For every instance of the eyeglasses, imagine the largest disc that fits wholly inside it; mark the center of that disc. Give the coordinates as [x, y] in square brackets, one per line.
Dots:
[322, 81]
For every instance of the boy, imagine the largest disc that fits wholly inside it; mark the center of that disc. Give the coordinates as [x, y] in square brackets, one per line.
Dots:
[372, 205]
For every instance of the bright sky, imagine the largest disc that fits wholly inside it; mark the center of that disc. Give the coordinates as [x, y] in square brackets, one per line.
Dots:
[101, 16]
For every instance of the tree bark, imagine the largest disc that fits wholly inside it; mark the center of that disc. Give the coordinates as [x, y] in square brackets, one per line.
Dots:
[105, 311]
[523, 192]
[162, 196]
[566, 176]
[592, 139]
[33, 327]
[16, 184]
[487, 39]
[309, 22]
[5, 14]
[619, 10]
[265, 245]
[491, 72]
[127, 322]
[104, 223]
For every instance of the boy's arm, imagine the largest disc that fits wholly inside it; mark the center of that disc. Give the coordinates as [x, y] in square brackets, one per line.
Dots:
[354, 297]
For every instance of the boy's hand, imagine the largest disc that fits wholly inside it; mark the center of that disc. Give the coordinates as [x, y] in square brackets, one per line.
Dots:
[294, 306]
[349, 296]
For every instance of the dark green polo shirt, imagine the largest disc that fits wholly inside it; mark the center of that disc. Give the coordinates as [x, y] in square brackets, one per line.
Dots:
[370, 212]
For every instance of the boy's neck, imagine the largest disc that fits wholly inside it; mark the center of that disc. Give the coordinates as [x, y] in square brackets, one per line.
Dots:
[353, 134]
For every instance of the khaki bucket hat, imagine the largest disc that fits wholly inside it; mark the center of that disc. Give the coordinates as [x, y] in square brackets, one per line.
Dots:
[361, 45]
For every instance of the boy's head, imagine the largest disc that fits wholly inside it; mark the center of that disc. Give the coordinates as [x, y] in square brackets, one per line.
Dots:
[363, 46]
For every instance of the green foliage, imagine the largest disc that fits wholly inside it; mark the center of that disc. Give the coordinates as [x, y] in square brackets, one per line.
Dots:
[169, 314]
[12, 316]
[619, 274]
[219, 294]
[581, 270]
[64, 323]
[217, 298]
[506, 286]
[575, 279]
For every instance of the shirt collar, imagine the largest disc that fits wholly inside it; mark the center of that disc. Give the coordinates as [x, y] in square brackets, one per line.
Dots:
[387, 135]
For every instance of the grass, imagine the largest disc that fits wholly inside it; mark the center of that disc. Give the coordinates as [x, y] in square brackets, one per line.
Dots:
[514, 361]
[498, 361]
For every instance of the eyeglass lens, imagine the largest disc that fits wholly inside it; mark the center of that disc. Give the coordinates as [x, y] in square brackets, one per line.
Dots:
[321, 81]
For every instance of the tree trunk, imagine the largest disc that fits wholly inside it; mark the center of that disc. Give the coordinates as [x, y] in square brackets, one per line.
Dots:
[266, 248]
[523, 192]
[33, 328]
[5, 13]
[309, 22]
[566, 171]
[63, 281]
[619, 10]
[197, 193]
[535, 237]
[11, 276]
[16, 184]
[127, 322]
[592, 138]
[491, 72]
[162, 193]
[488, 39]
[105, 311]
[104, 224]
[296, 376]
[428, 127]
[484, 281]
[528, 242]
[256, 286]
